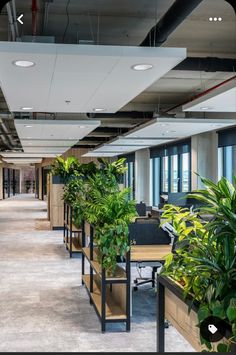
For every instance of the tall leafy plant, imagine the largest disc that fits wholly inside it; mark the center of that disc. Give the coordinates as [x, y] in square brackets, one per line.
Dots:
[65, 168]
[205, 260]
[111, 212]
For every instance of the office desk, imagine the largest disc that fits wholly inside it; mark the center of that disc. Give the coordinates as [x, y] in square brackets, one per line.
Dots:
[152, 252]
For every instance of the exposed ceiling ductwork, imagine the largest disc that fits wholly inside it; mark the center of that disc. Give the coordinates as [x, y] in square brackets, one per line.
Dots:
[208, 64]
[176, 14]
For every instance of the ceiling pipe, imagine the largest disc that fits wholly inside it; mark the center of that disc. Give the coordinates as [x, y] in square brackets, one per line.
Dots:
[6, 132]
[122, 114]
[176, 14]
[5, 141]
[232, 3]
[208, 64]
[201, 94]
[11, 22]
[34, 9]
[14, 17]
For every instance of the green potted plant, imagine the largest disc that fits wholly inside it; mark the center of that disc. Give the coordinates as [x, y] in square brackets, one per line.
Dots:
[111, 212]
[204, 264]
[65, 168]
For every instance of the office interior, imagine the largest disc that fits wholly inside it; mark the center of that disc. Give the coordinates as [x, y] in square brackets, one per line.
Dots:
[86, 86]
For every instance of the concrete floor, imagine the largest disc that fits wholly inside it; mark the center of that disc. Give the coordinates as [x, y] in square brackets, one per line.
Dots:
[44, 307]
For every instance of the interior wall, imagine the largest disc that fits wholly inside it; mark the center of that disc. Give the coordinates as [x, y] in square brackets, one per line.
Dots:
[142, 175]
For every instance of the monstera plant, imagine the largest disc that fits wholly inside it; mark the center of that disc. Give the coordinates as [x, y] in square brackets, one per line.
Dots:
[205, 259]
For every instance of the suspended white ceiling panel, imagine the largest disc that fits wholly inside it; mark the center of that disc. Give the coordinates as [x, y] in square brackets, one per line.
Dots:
[52, 136]
[57, 150]
[79, 78]
[48, 143]
[221, 99]
[159, 131]
[167, 129]
[22, 161]
[140, 142]
[27, 155]
[99, 154]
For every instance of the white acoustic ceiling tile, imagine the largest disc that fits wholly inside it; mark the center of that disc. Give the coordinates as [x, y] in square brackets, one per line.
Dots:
[54, 150]
[174, 128]
[27, 155]
[124, 83]
[221, 99]
[86, 76]
[112, 148]
[48, 143]
[125, 141]
[52, 136]
[26, 87]
[22, 160]
[99, 154]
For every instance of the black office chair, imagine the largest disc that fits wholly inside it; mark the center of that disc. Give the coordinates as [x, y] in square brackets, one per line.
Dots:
[141, 208]
[147, 231]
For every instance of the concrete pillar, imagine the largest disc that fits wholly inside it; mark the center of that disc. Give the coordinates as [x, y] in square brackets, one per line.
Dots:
[1, 182]
[204, 157]
[142, 175]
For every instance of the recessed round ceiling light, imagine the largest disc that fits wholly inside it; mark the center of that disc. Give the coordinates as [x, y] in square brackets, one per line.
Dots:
[27, 108]
[205, 108]
[219, 18]
[215, 18]
[28, 126]
[99, 109]
[210, 19]
[142, 67]
[24, 63]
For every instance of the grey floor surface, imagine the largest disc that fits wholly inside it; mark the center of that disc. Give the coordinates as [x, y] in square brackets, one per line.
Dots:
[44, 307]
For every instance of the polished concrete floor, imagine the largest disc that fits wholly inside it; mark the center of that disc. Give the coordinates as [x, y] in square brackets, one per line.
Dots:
[44, 307]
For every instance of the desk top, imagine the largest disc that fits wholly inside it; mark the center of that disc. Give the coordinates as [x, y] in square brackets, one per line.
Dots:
[149, 252]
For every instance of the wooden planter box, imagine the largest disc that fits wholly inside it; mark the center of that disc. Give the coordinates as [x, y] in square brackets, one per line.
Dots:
[172, 305]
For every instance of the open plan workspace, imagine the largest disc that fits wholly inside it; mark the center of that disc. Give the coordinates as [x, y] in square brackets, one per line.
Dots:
[118, 176]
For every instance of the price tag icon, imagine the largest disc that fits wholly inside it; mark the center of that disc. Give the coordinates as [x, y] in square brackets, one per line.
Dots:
[212, 328]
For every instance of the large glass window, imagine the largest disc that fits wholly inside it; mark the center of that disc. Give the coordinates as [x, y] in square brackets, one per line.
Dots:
[174, 173]
[185, 172]
[129, 178]
[227, 162]
[170, 168]
[227, 153]
[165, 174]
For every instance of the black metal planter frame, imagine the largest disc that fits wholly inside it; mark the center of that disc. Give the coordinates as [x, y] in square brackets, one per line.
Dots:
[71, 233]
[99, 287]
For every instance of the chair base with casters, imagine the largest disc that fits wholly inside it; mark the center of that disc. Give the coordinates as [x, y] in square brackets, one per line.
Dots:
[144, 280]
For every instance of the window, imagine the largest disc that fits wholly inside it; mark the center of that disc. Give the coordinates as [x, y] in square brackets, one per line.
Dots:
[155, 180]
[129, 178]
[170, 168]
[227, 154]
[174, 173]
[227, 162]
[165, 174]
[185, 172]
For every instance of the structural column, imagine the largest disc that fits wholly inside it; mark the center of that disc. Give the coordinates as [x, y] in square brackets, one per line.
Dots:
[204, 152]
[142, 175]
